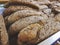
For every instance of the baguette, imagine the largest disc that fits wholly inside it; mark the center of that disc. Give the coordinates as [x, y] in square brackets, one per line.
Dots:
[3, 32]
[20, 24]
[20, 14]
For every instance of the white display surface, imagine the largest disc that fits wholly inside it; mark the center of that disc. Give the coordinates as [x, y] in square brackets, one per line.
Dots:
[51, 39]
[1, 8]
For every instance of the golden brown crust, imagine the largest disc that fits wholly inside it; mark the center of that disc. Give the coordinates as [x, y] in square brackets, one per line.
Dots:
[29, 34]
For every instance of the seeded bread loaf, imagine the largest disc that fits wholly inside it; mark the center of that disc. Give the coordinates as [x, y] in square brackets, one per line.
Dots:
[19, 14]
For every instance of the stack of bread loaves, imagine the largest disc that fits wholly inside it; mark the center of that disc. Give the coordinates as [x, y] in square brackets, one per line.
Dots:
[28, 22]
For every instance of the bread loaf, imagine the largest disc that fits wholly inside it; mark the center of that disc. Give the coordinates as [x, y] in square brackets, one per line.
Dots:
[3, 32]
[19, 14]
[29, 34]
[49, 28]
[14, 8]
[30, 4]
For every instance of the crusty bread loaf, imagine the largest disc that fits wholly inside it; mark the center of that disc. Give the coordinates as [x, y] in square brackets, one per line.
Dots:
[30, 4]
[14, 8]
[20, 24]
[21, 14]
[49, 28]
[3, 32]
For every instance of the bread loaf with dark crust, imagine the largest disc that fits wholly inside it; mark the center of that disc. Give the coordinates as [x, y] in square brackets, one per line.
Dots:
[3, 32]
[16, 5]
[30, 4]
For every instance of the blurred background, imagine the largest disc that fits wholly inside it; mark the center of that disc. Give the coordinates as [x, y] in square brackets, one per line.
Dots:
[2, 2]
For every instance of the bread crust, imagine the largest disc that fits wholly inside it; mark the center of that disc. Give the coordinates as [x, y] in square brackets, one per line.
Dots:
[30, 4]
[29, 34]
[20, 24]
[21, 14]
[3, 32]
[44, 32]
[11, 9]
